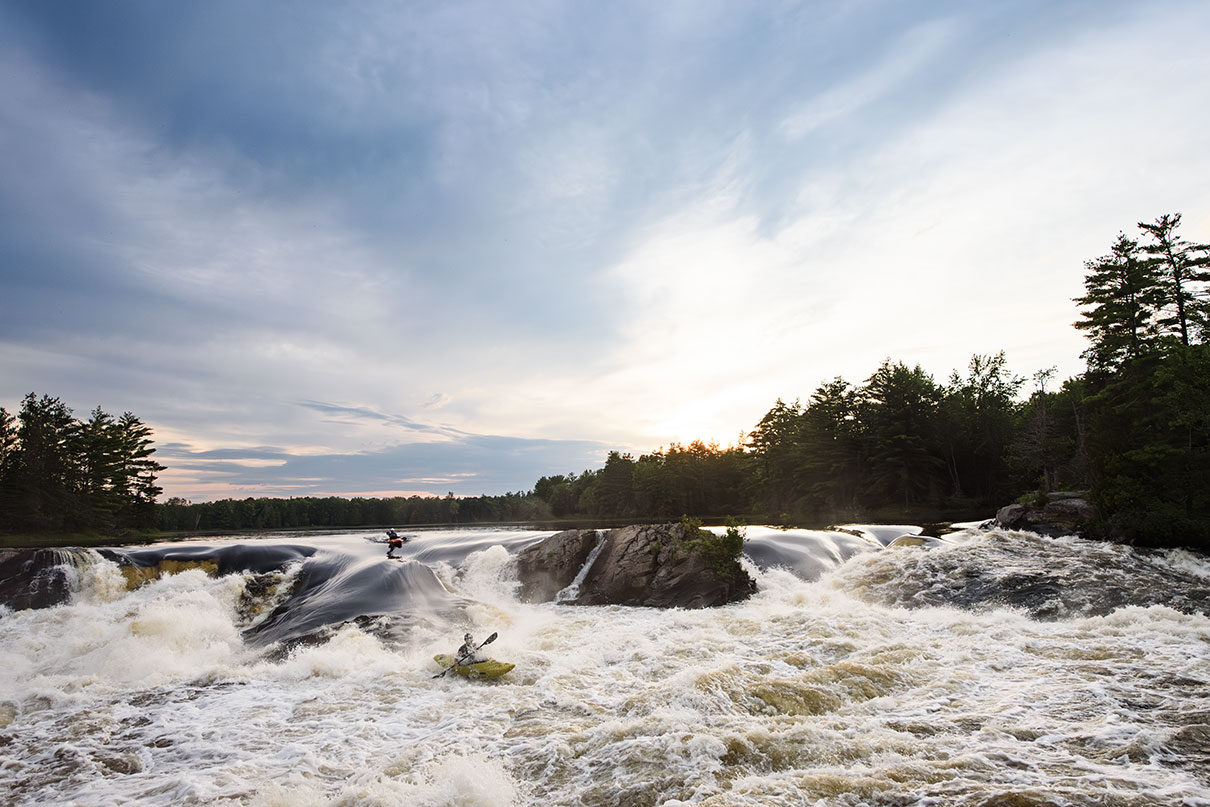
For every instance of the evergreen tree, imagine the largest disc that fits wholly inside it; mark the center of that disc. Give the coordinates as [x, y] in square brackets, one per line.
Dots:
[830, 463]
[8, 466]
[899, 407]
[1122, 296]
[1180, 268]
[774, 445]
[136, 472]
[97, 445]
[1147, 385]
[978, 419]
[57, 473]
[652, 486]
[45, 470]
[615, 494]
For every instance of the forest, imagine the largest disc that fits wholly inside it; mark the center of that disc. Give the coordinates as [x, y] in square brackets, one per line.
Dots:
[61, 474]
[1133, 430]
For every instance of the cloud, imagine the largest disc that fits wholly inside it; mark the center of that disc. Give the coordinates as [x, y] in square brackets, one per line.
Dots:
[475, 464]
[289, 240]
[916, 48]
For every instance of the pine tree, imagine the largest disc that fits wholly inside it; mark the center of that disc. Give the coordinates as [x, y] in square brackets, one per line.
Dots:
[978, 414]
[8, 466]
[829, 462]
[1123, 295]
[899, 408]
[1180, 267]
[45, 470]
[136, 472]
[774, 444]
[98, 448]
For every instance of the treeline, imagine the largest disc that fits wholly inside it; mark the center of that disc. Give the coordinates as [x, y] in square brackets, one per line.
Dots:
[61, 474]
[898, 442]
[177, 514]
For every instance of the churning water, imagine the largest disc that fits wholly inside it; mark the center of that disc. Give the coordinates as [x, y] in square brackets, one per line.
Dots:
[990, 669]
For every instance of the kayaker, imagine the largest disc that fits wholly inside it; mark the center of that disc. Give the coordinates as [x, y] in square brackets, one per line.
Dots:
[469, 652]
[393, 542]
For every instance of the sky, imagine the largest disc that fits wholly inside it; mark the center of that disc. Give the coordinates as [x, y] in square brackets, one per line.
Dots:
[396, 248]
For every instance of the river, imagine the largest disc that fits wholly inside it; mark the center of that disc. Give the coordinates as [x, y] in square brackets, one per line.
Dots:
[990, 668]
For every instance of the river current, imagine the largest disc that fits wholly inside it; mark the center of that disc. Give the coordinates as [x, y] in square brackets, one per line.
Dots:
[989, 668]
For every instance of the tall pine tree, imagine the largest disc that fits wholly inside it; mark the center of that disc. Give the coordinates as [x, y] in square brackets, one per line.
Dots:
[1122, 298]
[1180, 268]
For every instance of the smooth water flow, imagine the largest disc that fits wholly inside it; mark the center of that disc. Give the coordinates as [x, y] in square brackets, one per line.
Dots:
[993, 669]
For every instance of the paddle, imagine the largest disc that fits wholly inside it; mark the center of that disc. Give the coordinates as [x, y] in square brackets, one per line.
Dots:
[486, 641]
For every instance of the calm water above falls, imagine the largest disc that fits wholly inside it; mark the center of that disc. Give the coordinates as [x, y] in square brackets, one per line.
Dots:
[992, 669]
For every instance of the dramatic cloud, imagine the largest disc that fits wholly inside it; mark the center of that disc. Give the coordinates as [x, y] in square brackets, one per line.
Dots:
[455, 247]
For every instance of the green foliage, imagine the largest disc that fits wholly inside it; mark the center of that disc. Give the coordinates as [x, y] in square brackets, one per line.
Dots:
[615, 486]
[1146, 394]
[336, 511]
[61, 474]
[720, 552]
[1179, 269]
[1122, 297]
[899, 409]
[1149, 447]
[977, 418]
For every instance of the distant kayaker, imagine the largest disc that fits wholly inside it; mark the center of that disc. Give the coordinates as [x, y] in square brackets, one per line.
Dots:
[394, 541]
[469, 652]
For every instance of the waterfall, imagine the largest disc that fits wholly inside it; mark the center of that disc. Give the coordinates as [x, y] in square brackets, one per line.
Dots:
[572, 591]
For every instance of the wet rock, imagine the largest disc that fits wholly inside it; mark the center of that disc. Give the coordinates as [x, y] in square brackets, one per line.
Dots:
[1191, 741]
[136, 576]
[1063, 513]
[660, 566]
[551, 565]
[33, 578]
[120, 763]
[926, 541]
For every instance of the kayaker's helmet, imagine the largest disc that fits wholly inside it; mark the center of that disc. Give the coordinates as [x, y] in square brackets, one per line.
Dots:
[468, 638]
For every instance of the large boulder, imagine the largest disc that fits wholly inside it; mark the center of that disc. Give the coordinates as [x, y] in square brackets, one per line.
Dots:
[551, 565]
[662, 566]
[1062, 513]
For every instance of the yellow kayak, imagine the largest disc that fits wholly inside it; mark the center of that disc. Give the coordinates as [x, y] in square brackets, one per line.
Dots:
[483, 669]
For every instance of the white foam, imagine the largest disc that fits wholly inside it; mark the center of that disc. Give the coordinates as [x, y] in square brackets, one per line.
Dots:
[455, 780]
[489, 574]
[806, 693]
[178, 628]
[1186, 561]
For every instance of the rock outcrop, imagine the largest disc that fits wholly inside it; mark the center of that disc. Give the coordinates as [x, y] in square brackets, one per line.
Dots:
[659, 566]
[33, 578]
[1063, 513]
[551, 565]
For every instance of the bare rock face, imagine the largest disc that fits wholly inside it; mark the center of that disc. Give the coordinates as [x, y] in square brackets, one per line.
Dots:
[551, 565]
[1062, 514]
[658, 566]
[33, 578]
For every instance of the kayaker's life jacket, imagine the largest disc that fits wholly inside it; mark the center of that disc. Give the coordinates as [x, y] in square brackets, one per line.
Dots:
[468, 654]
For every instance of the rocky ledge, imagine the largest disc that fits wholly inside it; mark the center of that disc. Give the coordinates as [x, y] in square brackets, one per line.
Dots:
[33, 578]
[659, 566]
[1063, 513]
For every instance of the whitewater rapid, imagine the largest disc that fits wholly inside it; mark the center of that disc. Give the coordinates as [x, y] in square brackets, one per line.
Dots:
[989, 669]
